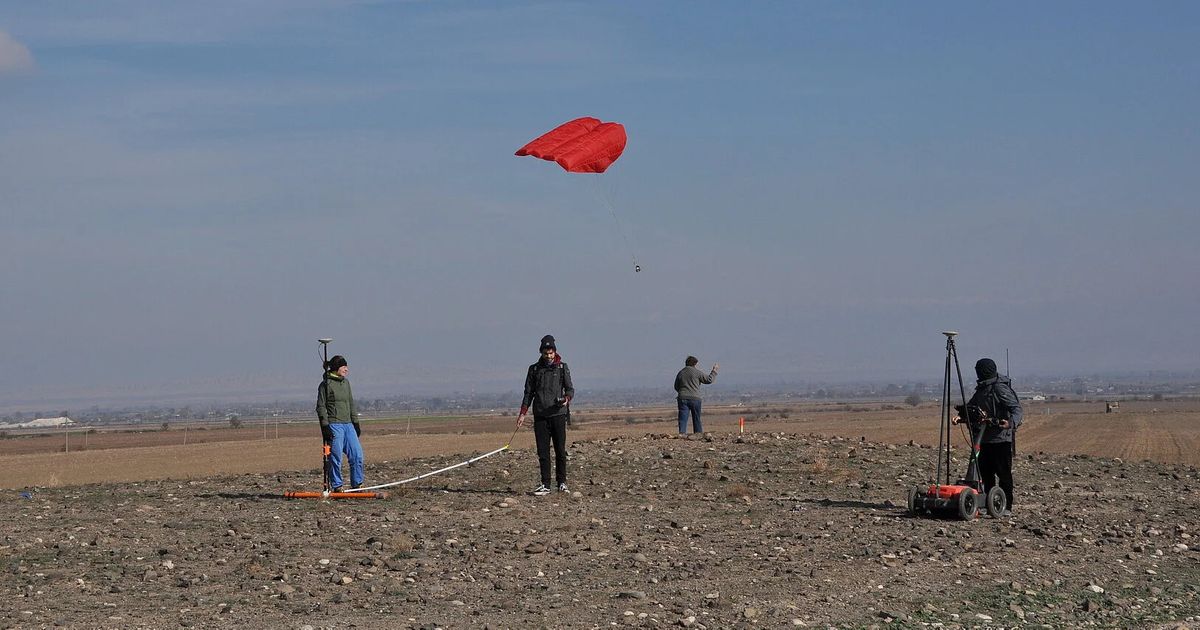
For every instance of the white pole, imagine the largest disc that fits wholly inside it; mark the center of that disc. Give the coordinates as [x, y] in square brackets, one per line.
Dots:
[430, 474]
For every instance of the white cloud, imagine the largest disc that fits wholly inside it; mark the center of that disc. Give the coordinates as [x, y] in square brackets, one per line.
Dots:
[176, 23]
[14, 56]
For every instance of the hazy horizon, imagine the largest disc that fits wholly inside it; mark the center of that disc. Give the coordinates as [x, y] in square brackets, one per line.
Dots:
[192, 194]
[162, 395]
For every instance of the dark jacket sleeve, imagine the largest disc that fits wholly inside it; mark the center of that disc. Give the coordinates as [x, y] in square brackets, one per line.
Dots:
[528, 398]
[707, 379]
[353, 408]
[322, 398]
[568, 386]
[1008, 398]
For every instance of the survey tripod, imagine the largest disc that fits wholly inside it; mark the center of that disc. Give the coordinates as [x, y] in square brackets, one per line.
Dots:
[963, 498]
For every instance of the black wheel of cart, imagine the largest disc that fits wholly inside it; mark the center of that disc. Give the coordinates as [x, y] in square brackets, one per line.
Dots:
[996, 501]
[913, 493]
[968, 504]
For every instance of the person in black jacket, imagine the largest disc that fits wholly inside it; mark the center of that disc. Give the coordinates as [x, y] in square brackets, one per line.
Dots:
[994, 395]
[548, 391]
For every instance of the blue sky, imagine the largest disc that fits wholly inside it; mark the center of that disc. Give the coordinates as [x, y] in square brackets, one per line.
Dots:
[192, 193]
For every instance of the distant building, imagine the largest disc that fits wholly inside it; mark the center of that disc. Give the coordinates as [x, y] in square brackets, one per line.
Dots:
[40, 423]
[1111, 406]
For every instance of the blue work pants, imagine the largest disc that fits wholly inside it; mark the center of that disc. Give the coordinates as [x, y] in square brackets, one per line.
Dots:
[345, 441]
[689, 405]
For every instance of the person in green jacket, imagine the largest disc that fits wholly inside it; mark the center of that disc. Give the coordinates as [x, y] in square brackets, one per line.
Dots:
[339, 424]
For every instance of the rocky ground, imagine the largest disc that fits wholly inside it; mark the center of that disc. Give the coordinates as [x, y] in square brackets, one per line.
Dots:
[761, 530]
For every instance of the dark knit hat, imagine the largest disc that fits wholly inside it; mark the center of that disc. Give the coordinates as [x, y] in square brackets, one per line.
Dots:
[985, 369]
[336, 363]
[547, 342]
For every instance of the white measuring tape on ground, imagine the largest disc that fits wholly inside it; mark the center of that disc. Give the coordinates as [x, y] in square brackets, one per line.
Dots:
[430, 474]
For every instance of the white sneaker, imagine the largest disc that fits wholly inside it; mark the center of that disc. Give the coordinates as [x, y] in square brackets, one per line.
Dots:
[562, 487]
[541, 490]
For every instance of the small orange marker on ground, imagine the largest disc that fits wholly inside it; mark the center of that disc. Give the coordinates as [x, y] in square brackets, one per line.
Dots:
[742, 424]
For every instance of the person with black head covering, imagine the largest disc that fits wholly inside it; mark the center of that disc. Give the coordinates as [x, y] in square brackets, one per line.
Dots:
[994, 395]
[548, 392]
[339, 423]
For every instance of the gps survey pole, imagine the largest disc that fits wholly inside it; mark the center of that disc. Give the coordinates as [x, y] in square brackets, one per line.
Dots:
[324, 353]
[326, 448]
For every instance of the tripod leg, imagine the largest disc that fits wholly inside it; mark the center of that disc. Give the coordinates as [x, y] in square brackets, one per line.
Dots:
[961, 388]
[946, 405]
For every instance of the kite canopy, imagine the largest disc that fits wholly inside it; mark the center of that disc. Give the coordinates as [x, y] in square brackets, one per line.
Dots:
[583, 145]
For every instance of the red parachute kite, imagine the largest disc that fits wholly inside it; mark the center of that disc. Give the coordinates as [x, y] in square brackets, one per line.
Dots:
[584, 145]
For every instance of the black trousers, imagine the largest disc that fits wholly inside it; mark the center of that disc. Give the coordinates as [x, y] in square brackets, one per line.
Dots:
[545, 431]
[995, 461]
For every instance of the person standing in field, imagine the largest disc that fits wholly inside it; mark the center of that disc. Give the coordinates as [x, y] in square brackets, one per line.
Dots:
[339, 424]
[994, 395]
[687, 390]
[548, 392]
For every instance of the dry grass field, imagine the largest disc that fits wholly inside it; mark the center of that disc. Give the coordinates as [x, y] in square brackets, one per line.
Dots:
[1166, 432]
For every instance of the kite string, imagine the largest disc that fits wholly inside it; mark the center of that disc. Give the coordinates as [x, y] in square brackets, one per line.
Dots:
[607, 197]
[514, 434]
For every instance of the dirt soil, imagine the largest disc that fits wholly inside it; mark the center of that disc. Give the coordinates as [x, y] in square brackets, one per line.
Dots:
[769, 529]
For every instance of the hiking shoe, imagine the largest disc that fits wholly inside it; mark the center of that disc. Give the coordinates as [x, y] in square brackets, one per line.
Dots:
[541, 490]
[356, 486]
[337, 489]
[562, 487]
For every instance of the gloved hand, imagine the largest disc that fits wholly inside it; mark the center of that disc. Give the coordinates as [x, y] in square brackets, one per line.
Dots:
[357, 430]
[327, 434]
